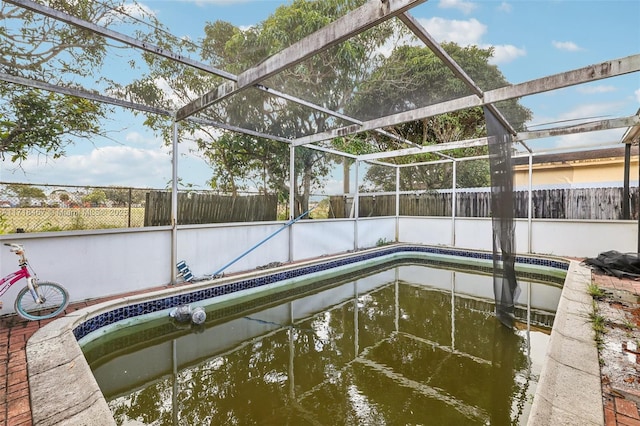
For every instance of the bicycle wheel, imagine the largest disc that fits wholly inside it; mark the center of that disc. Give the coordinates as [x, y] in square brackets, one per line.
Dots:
[56, 299]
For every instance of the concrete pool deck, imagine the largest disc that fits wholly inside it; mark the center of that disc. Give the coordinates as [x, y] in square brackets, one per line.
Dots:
[570, 392]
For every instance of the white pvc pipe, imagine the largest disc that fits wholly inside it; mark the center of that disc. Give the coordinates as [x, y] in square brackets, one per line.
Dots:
[356, 207]
[453, 204]
[174, 204]
[397, 204]
[530, 205]
[292, 195]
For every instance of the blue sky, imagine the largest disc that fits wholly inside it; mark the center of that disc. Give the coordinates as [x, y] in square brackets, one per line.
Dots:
[531, 39]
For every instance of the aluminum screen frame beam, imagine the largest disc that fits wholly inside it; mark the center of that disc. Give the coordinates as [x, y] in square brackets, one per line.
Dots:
[81, 93]
[425, 149]
[355, 22]
[594, 72]
[114, 35]
[603, 70]
[614, 123]
[222, 91]
[593, 126]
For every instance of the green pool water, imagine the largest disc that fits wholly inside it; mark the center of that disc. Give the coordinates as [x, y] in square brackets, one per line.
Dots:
[403, 344]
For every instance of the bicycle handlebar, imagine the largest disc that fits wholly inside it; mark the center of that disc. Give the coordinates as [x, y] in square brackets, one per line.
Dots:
[15, 248]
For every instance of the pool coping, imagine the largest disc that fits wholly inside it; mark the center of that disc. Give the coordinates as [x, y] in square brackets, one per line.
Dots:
[569, 390]
[65, 392]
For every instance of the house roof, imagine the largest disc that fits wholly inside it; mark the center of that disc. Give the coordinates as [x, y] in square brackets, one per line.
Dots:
[574, 156]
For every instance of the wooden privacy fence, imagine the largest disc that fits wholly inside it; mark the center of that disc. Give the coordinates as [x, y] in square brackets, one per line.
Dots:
[194, 208]
[584, 203]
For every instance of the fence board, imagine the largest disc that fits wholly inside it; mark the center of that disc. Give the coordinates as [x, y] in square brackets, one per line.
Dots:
[583, 203]
[197, 208]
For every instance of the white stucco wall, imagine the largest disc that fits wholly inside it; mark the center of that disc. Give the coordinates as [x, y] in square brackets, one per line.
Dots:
[208, 249]
[93, 264]
[584, 238]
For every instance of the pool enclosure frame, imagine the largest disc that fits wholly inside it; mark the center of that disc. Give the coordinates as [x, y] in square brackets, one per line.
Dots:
[109, 262]
[353, 23]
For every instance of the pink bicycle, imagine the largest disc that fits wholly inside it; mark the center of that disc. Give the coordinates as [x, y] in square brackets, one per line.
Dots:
[39, 299]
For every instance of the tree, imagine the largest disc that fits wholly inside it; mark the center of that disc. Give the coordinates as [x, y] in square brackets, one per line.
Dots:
[122, 197]
[95, 198]
[43, 49]
[64, 198]
[26, 193]
[32, 120]
[412, 77]
[240, 161]
[353, 76]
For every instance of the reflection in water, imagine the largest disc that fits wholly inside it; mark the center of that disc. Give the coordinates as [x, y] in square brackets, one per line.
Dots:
[378, 350]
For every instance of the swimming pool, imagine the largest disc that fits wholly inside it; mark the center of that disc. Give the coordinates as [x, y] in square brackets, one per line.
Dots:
[92, 323]
[289, 275]
[400, 343]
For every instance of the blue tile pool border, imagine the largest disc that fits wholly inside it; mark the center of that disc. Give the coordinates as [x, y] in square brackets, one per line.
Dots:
[216, 290]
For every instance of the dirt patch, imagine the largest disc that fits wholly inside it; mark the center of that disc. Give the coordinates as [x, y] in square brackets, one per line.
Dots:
[619, 344]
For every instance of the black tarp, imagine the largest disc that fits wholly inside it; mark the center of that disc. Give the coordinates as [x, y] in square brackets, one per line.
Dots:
[621, 265]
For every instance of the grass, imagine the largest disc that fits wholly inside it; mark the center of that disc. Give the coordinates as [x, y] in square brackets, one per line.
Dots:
[598, 323]
[595, 291]
[628, 325]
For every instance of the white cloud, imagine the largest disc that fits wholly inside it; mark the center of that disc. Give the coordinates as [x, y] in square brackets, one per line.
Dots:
[469, 32]
[464, 33]
[595, 139]
[139, 139]
[111, 165]
[126, 12]
[637, 93]
[583, 113]
[590, 90]
[505, 7]
[137, 10]
[219, 2]
[465, 7]
[506, 53]
[567, 46]
[601, 109]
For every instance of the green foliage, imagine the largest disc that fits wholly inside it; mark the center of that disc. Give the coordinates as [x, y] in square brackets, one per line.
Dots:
[382, 242]
[27, 194]
[96, 197]
[598, 324]
[3, 224]
[25, 191]
[50, 227]
[321, 210]
[353, 76]
[78, 223]
[399, 84]
[241, 161]
[122, 197]
[595, 291]
[37, 47]
[44, 122]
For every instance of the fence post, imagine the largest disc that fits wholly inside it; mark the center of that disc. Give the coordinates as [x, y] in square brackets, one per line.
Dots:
[454, 202]
[174, 204]
[129, 210]
[397, 196]
[625, 191]
[530, 205]
[356, 208]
